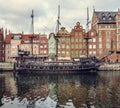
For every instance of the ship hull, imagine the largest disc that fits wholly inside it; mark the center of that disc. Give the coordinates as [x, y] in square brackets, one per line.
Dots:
[58, 70]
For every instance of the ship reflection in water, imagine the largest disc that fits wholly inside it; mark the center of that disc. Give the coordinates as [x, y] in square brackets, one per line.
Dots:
[60, 91]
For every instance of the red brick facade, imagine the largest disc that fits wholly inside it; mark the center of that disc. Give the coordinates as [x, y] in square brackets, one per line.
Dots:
[107, 27]
[2, 51]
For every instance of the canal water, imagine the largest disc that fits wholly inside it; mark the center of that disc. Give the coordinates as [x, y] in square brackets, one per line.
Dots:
[101, 90]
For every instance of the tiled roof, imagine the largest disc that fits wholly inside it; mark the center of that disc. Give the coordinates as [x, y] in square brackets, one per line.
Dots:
[106, 17]
[25, 37]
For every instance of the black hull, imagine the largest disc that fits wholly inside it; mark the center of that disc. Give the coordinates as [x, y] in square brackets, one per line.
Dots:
[57, 71]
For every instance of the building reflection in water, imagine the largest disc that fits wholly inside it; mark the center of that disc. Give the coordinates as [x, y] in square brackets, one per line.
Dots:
[102, 89]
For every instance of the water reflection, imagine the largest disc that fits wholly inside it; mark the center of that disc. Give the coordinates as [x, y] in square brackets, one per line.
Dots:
[102, 89]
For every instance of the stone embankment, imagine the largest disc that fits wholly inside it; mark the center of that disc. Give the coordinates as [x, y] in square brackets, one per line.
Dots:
[109, 67]
[6, 66]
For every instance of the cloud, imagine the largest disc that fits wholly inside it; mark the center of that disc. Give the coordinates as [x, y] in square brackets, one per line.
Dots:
[15, 14]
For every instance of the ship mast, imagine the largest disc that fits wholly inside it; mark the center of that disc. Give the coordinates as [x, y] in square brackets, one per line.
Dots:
[32, 36]
[87, 32]
[58, 20]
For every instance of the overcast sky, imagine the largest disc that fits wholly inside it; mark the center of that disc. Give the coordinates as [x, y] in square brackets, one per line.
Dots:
[15, 14]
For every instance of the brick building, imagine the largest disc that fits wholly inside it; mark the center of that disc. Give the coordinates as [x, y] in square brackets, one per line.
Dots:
[107, 27]
[77, 41]
[43, 46]
[63, 44]
[37, 47]
[2, 51]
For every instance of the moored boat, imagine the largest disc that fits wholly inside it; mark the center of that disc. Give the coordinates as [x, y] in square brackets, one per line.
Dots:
[27, 64]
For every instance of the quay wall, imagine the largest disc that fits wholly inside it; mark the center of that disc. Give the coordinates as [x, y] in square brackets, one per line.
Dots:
[109, 67]
[6, 66]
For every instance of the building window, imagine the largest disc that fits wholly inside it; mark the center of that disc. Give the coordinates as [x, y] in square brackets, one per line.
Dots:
[92, 33]
[80, 45]
[100, 39]
[94, 40]
[76, 33]
[67, 46]
[63, 46]
[72, 45]
[45, 51]
[90, 52]
[76, 39]
[80, 40]
[94, 52]
[108, 40]
[107, 33]
[94, 46]
[76, 45]
[80, 34]
[90, 46]
[80, 52]
[100, 45]
[108, 46]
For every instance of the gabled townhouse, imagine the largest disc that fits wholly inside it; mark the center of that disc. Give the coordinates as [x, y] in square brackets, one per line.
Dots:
[77, 41]
[11, 46]
[43, 47]
[52, 47]
[63, 44]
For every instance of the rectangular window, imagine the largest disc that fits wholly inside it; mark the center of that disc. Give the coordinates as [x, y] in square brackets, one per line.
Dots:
[100, 45]
[90, 46]
[100, 40]
[94, 40]
[76, 33]
[94, 46]
[76, 39]
[63, 46]
[76, 45]
[72, 46]
[80, 40]
[108, 45]
[80, 45]
[108, 40]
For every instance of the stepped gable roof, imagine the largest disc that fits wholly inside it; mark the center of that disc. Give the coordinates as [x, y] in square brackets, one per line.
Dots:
[105, 17]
